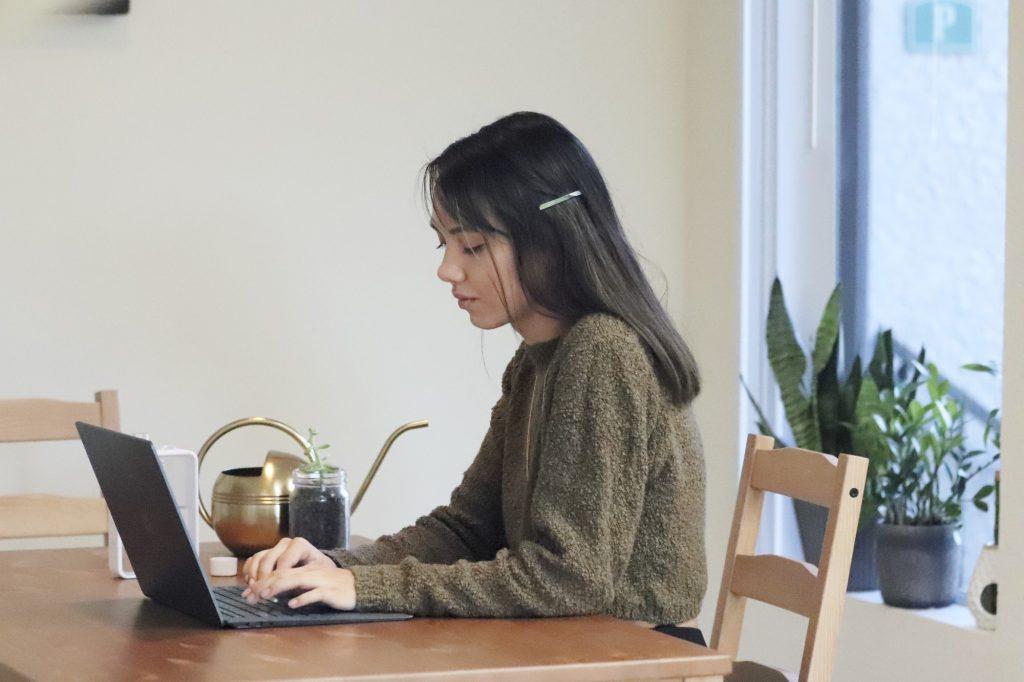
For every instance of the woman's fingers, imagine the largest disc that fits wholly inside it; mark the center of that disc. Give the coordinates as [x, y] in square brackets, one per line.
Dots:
[257, 561]
[295, 578]
[333, 586]
[287, 553]
[296, 552]
[308, 597]
[269, 561]
[252, 564]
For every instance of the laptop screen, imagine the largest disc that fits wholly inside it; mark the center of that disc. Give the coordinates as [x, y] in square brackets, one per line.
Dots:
[148, 521]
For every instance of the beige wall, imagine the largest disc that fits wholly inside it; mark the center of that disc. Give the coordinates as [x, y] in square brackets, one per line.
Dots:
[211, 206]
[711, 256]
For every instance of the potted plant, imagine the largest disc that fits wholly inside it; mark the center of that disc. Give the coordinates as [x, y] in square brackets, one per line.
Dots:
[922, 480]
[318, 501]
[825, 412]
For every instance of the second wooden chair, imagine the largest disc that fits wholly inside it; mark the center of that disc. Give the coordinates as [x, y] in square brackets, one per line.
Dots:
[816, 592]
[43, 515]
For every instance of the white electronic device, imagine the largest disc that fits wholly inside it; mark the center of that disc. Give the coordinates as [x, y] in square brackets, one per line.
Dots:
[182, 473]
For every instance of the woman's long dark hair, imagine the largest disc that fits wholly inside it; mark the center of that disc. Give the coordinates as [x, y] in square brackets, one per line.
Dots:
[572, 258]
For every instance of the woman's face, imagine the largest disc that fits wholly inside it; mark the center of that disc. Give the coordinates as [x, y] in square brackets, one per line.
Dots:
[473, 276]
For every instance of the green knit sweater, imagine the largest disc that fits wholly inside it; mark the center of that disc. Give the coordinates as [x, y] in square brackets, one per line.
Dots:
[587, 496]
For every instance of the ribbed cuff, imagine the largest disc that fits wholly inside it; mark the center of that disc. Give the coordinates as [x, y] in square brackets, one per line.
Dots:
[341, 557]
[376, 588]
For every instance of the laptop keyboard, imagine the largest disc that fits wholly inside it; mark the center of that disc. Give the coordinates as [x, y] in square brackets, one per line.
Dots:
[233, 605]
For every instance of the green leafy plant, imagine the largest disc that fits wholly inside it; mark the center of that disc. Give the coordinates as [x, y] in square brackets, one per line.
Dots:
[824, 409]
[317, 463]
[991, 438]
[927, 463]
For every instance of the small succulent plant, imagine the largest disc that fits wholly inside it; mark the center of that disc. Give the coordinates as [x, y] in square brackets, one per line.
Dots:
[317, 463]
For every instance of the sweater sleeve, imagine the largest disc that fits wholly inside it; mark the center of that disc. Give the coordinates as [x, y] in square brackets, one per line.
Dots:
[469, 526]
[586, 504]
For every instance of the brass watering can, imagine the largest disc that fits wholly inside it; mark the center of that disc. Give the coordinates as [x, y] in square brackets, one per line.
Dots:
[249, 505]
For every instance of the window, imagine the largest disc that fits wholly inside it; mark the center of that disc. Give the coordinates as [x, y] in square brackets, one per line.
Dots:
[875, 150]
[922, 140]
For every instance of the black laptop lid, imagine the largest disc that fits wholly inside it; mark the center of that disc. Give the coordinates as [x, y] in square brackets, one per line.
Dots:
[148, 521]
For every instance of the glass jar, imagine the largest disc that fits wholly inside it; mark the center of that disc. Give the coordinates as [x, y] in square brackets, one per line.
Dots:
[318, 509]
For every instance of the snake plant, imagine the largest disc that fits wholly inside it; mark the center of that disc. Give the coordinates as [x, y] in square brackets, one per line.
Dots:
[825, 411]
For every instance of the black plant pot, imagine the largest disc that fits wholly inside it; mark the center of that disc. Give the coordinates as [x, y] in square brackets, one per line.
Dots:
[811, 520]
[918, 566]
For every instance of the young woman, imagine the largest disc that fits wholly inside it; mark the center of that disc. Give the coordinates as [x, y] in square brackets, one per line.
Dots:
[587, 493]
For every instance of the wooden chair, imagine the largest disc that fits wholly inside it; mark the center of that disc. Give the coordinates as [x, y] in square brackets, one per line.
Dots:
[47, 516]
[817, 592]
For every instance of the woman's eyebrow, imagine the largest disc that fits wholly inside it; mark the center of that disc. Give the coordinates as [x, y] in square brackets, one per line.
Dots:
[454, 230]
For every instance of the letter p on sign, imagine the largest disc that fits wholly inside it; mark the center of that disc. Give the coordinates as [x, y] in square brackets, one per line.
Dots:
[940, 26]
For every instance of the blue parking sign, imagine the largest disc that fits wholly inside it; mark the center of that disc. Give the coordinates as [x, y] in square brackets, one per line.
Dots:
[943, 26]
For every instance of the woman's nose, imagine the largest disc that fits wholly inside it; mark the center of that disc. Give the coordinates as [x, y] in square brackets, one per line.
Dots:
[450, 272]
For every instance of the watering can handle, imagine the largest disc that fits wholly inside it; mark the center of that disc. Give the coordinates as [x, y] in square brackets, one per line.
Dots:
[237, 424]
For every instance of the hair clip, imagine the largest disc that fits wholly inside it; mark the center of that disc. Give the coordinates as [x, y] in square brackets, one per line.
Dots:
[570, 195]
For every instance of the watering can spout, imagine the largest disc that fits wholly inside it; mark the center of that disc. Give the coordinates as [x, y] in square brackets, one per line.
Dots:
[380, 458]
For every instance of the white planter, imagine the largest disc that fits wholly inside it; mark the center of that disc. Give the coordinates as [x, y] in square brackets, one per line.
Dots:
[981, 594]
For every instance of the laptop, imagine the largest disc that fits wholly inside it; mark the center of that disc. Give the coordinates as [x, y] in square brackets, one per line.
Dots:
[165, 563]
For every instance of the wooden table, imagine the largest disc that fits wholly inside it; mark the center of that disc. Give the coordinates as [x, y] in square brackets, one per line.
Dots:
[63, 617]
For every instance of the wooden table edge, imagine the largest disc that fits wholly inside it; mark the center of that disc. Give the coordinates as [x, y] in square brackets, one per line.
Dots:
[711, 669]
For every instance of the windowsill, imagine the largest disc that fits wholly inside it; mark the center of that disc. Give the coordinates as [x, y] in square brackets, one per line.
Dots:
[957, 615]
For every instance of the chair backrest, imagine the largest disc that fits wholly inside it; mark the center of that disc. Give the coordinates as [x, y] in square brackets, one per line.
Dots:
[34, 419]
[817, 592]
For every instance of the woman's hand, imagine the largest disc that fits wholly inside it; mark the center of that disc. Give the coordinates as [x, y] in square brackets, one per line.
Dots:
[287, 553]
[335, 587]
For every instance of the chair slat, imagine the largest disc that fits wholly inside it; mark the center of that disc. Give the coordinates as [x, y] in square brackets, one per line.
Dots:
[32, 516]
[794, 472]
[725, 636]
[776, 580]
[834, 568]
[37, 419]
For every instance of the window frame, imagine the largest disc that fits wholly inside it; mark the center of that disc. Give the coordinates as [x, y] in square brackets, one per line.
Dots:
[788, 190]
